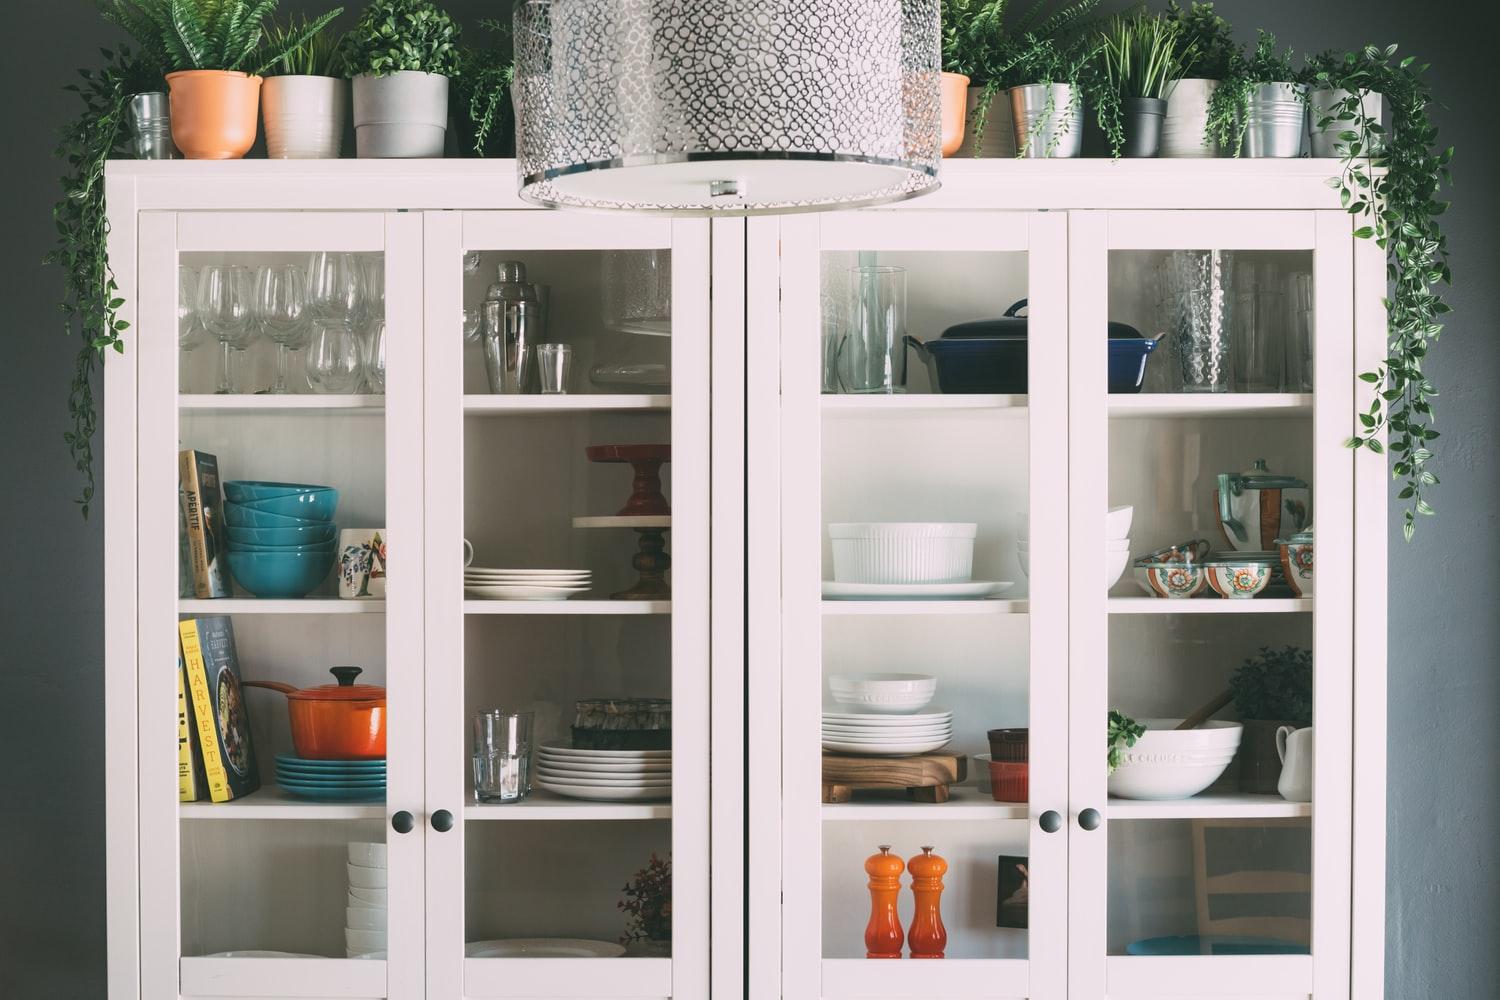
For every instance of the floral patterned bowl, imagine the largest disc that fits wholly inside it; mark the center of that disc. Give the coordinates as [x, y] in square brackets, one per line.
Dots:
[1171, 579]
[1239, 577]
[1297, 562]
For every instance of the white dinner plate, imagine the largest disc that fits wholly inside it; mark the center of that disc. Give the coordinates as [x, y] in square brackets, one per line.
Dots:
[604, 779]
[936, 734]
[514, 592]
[604, 767]
[602, 755]
[536, 581]
[602, 783]
[481, 570]
[543, 948]
[259, 954]
[854, 727]
[973, 590]
[884, 749]
[884, 721]
[604, 793]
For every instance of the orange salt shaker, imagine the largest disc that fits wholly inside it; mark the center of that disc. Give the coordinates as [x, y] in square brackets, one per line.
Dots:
[883, 933]
[928, 938]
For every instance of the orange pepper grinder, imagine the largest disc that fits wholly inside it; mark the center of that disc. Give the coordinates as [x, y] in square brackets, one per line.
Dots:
[883, 933]
[928, 937]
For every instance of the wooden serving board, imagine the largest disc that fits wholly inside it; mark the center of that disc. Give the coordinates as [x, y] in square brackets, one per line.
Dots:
[925, 776]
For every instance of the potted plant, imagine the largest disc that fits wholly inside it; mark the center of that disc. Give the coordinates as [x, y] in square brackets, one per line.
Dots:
[1047, 83]
[214, 52]
[1271, 104]
[1140, 55]
[484, 116]
[304, 96]
[401, 54]
[1271, 690]
[1335, 109]
[1209, 55]
[648, 901]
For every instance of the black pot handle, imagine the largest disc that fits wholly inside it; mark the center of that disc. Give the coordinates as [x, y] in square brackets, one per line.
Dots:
[1016, 308]
[916, 345]
[345, 675]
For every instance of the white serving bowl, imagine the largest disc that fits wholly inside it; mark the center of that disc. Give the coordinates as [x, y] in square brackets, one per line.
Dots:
[357, 940]
[1116, 561]
[367, 855]
[1166, 763]
[883, 693]
[1117, 522]
[366, 878]
[360, 918]
[375, 899]
[903, 552]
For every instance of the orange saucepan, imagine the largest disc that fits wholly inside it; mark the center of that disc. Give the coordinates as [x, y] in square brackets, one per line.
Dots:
[343, 721]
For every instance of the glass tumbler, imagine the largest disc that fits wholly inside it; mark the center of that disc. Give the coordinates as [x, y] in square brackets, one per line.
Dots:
[555, 365]
[872, 351]
[1201, 292]
[502, 756]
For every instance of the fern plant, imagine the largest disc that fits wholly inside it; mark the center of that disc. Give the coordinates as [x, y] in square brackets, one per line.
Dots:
[395, 36]
[208, 34]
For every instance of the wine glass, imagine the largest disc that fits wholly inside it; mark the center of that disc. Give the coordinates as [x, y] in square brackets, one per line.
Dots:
[281, 307]
[189, 328]
[333, 357]
[334, 287]
[224, 306]
[374, 356]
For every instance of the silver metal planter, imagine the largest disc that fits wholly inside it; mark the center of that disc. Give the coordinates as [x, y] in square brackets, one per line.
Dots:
[1048, 120]
[151, 128]
[1325, 141]
[1275, 120]
[1143, 121]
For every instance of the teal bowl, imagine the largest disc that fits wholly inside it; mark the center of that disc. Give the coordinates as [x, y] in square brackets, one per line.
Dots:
[313, 534]
[237, 515]
[272, 575]
[320, 547]
[246, 490]
[308, 506]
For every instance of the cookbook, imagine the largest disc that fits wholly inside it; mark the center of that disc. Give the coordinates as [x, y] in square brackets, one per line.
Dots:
[191, 783]
[203, 511]
[218, 707]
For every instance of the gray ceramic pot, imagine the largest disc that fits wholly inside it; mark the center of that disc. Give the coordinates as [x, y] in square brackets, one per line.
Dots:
[402, 115]
[1276, 120]
[1325, 141]
[1143, 120]
[1048, 120]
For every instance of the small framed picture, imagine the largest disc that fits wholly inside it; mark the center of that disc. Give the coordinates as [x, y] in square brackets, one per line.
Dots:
[1010, 902]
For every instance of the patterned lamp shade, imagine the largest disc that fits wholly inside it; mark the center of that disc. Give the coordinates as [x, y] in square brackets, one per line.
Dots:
[726, 107]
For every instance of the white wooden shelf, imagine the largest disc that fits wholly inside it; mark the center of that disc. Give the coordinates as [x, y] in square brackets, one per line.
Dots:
[1209, 605]
[1212, 405]
[965, 803]
[482, 405]
[909, 402]
[987, 606]
[542, 805]
[299, 606]
[954, 977]
[270, 802]
[278, 403]
[1210, 806]
[538, 978]
[567, 607]
[624, 521]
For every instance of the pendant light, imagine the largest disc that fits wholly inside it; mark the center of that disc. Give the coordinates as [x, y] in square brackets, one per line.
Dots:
[726, 107]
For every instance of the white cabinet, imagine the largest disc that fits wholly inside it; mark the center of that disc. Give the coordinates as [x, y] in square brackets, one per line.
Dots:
[710, 337]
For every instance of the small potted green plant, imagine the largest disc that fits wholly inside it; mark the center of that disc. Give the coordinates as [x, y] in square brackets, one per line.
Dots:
[1194, 102]
[648, 901]
[1140, 55]
[1271, 690]
[483, 115]
[1047, 84]
[1342, 98]
[401, 55]
[1271, 104]
[215, 52]
[305, 94]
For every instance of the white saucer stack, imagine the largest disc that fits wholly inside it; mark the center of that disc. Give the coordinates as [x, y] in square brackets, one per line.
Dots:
[526, 584]
[365, 915]
[605, 775]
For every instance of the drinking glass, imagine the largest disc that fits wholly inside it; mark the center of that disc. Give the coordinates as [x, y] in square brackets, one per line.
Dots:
[281, 307]
[1201, 290]
[555, 363]
[374, 356]
[872, 351]
[372, 286]
[333, 357]
[335, 284]
[225, 295]
[1299, 348]
[189, 328]
[502, 756]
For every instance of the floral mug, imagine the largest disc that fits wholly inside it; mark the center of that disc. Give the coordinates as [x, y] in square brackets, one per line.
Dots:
[362, 564]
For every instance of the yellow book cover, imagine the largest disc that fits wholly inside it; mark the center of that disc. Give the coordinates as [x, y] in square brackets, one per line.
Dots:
[190, 783]
[203, 714]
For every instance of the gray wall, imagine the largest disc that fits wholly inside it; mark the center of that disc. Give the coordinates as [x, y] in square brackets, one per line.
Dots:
[1443, 909]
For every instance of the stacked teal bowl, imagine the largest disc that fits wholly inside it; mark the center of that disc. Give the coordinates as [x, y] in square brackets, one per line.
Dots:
[281, 537]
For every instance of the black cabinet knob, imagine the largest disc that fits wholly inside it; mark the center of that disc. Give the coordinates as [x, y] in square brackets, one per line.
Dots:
[442, 821]
[402, 822]
[1090, 819]
[1051, 821]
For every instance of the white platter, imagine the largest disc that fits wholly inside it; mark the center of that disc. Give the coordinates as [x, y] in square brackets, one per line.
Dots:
[543, 948]
[512, 592]
[884, 749]
[602, 755]
[866, 719]
[973, 590]
[600, 793]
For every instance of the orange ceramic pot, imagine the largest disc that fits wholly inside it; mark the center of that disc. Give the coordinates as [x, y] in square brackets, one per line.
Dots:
[214, 112]
[955, 91]
[343, 721]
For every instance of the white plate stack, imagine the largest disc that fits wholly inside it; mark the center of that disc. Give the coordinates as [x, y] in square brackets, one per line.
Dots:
[526, 584]
[365, 914]
[870, 735]
[605, 775]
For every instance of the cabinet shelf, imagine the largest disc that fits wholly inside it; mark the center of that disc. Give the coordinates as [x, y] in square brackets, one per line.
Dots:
[278, 403]
[1209, 606]
[482, 405]
[536, 978]
[541, 805]
[965, 804]
[1212, 405]
[299, 606]
[567, 607]
[909, 402]
[867, 980]
[270, 802]
[1211, 806]
[989, 606]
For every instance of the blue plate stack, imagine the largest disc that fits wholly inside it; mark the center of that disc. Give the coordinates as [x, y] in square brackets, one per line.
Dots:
[281, 537]
[332, 780]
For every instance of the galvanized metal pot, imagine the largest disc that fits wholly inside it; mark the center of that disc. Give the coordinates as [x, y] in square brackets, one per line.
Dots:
[304, 116]
[1320, 103]
[1048, 120]
[151, 128]
[1275, 120]
[1143, 121]
[1182, 130]
[989, 130]
[402, 115]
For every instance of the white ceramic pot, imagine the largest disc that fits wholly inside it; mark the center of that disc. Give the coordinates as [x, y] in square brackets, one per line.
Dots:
[304, 116]
[903, 552]
[1187, 116]
[1167, 763]
[1325, 141]
[400, 116]
[989, 131]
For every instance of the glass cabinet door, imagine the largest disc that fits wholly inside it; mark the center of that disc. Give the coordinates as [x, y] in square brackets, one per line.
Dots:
[567, 605]
[924, 603]
[276, 457]
[1210, 364]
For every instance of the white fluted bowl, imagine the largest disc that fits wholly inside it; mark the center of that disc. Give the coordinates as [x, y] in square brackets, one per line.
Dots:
[903, 552]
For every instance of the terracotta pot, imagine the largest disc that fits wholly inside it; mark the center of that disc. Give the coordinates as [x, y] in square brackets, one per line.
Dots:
[955, 91]
[343, 721]
[214, 112]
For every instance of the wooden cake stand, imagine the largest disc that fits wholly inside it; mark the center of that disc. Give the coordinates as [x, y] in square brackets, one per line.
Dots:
[647, 513]
[925, 776]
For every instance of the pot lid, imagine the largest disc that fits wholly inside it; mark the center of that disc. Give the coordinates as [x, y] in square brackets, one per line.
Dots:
[1300, 538]
[1013, 326]
[344, 690]
[1258, 477]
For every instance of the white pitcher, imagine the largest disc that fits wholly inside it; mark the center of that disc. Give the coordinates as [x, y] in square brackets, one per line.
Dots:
[1295, 748]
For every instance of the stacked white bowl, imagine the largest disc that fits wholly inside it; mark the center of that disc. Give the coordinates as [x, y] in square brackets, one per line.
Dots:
[1116, 543]
[1171, 763]
[365, 914]
[879, 715]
